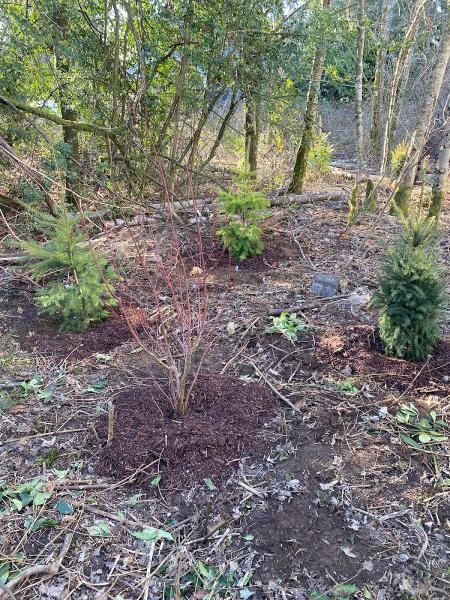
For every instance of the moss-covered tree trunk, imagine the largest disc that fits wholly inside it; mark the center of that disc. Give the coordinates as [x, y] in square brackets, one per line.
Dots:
[440, 181]
[312, 101]
[376, 127]
[416, 148]
[251, 135]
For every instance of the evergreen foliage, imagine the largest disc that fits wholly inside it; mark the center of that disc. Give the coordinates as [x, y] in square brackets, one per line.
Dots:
[241, 236]
[411, 293]
[77, 287]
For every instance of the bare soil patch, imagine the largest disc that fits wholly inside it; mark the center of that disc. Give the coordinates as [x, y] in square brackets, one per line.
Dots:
[224, 420]
[359, 348]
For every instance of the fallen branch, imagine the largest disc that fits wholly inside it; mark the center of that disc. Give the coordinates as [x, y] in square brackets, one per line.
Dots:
[51, 569]
[310, 197]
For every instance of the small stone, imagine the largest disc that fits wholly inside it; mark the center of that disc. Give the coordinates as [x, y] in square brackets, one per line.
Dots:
[325, 285]
[446, 379]
[403, 558]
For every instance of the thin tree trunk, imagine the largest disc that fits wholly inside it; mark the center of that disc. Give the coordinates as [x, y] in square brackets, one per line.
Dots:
[70, 135]
[376, 128]
[301, 161]
[419, 138]
[227, 118]
[251, 134]
[440, 181]
[397, 77]
[359, 92]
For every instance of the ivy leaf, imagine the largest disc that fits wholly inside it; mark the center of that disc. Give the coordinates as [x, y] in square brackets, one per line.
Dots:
[64, 508]
[100, 529]
[152, 533]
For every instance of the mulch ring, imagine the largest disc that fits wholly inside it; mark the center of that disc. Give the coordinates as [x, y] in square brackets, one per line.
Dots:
[359, 348]
[225, 419]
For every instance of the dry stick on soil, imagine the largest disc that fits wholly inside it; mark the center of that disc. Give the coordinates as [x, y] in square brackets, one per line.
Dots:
[110, 423]
[51, 569]
[273, 388]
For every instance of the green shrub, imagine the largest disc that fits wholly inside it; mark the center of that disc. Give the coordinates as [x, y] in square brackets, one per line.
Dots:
[411, 294]
[241, 236]
[398, 157]
[319, 158]
[78, 290]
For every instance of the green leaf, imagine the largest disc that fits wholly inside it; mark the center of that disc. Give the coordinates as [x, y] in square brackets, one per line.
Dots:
[100, 529]
[209, 484]
[347, 588]
[41, 498]
[409, 441]
[249, 537]
[16, 504]
[424, 438]
[4, 573]
[44, 522]
[64, 508]
[319, 596]
[155, 482]
[151, 533]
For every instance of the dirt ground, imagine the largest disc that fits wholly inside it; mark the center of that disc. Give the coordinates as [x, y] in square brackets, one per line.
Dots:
[289, 479]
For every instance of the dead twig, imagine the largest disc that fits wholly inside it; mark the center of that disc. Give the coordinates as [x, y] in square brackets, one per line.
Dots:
[51, 569]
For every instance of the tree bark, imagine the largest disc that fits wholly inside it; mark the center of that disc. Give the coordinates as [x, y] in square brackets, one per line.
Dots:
[397, 75]
[251, 135]
[359, 92]
[376, 128]
[301, 161]
[68, 113]
[419, 137]
[227, 118]
[440, 181]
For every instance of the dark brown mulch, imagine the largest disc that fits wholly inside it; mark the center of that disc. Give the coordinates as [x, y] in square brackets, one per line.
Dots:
[224, 420]
[360, 348]
[40, 334]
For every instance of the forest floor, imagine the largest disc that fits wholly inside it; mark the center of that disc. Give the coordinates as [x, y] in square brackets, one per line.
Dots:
[290, 477]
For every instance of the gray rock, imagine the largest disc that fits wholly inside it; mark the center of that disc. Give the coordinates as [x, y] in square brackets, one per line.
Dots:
[325, 285]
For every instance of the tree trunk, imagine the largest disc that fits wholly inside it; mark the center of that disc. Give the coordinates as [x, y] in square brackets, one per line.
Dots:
[225, 121]
[440, 181]
[419, 137]
[359, 92]
[397, 75]
[376, 128]
[251, 135]
[70, 135]
[301, 161]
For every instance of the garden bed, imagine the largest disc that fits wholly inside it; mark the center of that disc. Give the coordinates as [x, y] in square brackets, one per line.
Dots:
[225, 419]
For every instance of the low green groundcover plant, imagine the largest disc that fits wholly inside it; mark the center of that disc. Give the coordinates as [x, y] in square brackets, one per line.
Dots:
[288, 325]
[244, 208]
[411, 294]
[77, 281]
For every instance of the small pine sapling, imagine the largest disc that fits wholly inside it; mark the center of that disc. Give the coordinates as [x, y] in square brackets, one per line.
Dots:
[411, 294]
[77, 287]
[241, 236]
